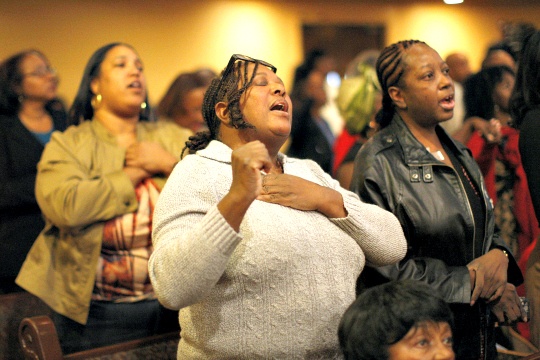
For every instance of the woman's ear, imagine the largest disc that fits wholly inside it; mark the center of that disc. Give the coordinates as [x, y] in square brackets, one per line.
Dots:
[94, 86]
[222, 112]
[397, 97]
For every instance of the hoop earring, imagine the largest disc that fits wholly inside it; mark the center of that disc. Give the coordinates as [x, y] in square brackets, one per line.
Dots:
[96, 101]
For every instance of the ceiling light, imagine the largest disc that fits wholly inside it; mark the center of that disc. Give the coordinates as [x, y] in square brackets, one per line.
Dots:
[452, 2]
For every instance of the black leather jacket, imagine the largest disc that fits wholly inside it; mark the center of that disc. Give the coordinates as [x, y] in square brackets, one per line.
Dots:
[395, 171]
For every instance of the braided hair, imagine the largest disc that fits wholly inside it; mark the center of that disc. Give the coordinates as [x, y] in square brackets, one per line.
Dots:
[390, 69]
[223, 88]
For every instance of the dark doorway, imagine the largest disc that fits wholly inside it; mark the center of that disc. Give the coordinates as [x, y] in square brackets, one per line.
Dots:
[343, 42]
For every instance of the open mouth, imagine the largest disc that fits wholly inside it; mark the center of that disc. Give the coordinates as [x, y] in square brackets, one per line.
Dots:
[448, 102]
[280, 106]
[135, 85]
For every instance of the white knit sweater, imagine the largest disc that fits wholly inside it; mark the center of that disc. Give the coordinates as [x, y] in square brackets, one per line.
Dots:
[275, 290]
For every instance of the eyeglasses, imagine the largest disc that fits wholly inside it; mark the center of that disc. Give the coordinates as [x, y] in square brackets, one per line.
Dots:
[237, 57]
[42, 72]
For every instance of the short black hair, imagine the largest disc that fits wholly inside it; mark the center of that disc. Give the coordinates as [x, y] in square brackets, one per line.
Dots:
[382, 315]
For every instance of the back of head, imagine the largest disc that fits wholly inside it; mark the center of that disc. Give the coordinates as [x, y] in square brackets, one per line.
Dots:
[460, 68]
[514, 33]
[171, 105]
[526, 94]
[384, 314]
[390, 69]
[359, 91]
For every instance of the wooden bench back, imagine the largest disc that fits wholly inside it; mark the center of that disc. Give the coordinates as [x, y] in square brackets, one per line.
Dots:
[13, 308]
[39, 341]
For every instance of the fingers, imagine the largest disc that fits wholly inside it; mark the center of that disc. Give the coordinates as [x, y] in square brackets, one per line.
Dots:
[514, 312]
[508, 309]
[511, 311]
[478, 287]
[271, 183]
[275, 190]
[493, 287]
[499, 314]
[249, 163]
[497, 294]
[253, 155]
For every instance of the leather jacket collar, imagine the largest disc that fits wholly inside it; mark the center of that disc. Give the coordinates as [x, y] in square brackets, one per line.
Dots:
[413, 151]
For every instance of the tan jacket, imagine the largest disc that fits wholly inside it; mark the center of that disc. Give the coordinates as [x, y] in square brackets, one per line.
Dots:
[80, 185]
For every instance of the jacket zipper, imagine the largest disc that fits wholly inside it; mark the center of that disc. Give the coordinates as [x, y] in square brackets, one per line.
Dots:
[483, 317]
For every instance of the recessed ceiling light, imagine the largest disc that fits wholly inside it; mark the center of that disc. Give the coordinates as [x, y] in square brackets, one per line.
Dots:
[452, 2]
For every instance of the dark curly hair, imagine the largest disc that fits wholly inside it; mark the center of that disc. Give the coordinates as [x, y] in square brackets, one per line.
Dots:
[223, 88]
[382, 315]
[390, 69]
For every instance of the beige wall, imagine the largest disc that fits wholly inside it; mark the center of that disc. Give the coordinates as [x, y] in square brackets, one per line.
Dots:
[172, 36]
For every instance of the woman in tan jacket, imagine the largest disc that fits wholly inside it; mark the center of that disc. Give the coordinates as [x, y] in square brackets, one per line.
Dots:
[97, 184]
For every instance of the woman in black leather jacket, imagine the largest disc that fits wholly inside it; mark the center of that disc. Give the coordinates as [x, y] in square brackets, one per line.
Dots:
[433, 185]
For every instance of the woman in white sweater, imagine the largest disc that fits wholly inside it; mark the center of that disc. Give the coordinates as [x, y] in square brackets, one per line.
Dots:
[260, 252]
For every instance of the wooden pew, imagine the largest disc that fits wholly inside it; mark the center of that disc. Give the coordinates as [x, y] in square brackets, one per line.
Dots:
[39, 341]
[13, 308]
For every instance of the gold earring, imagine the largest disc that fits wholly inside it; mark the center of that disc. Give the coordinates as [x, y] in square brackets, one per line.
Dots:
[96, 101]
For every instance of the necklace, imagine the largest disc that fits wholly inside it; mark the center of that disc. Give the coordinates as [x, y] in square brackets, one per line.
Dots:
[469, 180]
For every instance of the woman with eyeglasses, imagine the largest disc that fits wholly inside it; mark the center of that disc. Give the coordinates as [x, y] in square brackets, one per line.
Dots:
[260, 251]
[29, 113]
[97, 186]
